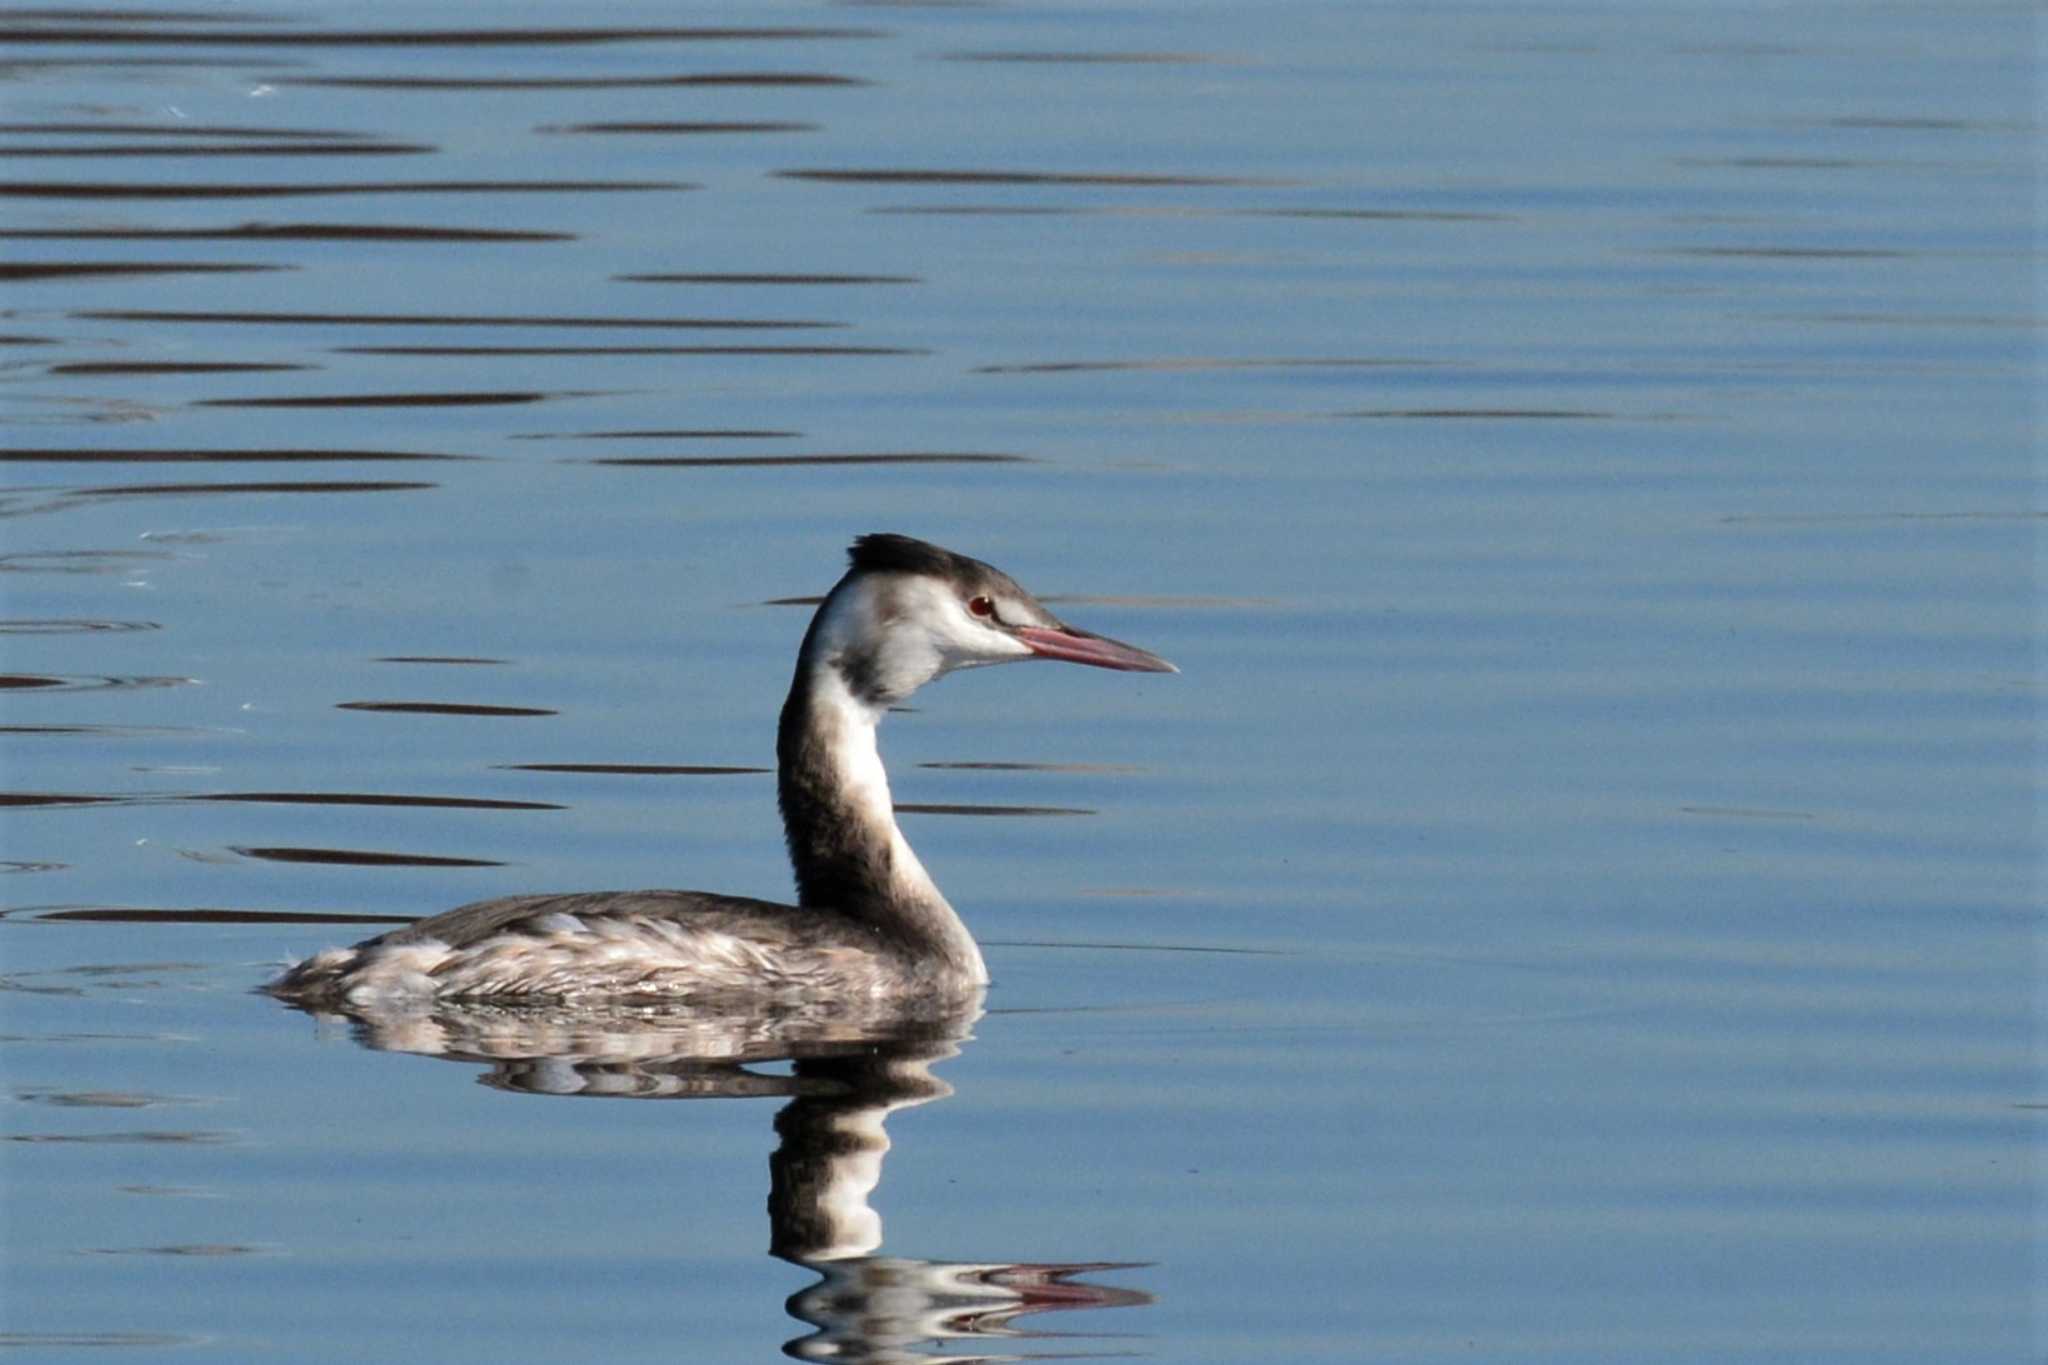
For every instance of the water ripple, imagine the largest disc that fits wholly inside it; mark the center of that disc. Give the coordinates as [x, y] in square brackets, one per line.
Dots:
[1197, 364]
[515, 320]
[979, 765]
[166, 149]
[288, 232]
[947, 808]
[389, 37]
[658, 434]
[71, 626]
[700, 127]
[396, 400]
[91, 369]
[372, 799]
[192, 189]
[635, 769]
[443, 708]
[205, 455]
[182, 489]
[123, 914]
[357, 857]
[89, 682]
[30, 272]
[575, 351]
[769, 79]
[81, 561]
[760, 461]
[198, 1249]
[434, 659]
[1118, 179]
[146, 1138]
[769, 279]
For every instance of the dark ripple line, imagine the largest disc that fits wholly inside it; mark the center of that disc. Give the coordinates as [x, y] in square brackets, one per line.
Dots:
[433, 659]
[357, 857]
[740, 78]
[324, 486]
[1484, 414]
[135, 149]
[759, 461]
[677, 434]
[635, 769]
[989, 765]
[448, 320]
[696, 128]
[206, 455]
[186, 130]
[1792, 253]
[984, 210]
[194, 1249]
[70, 626]
[196, 1138]
[443, 708]
[286, 232]
[54, 800]
[395, 37]
[373, 799]
[1929, 125]
[110, 914]
[1200, 363]
[73, 189]
[91, 682]
[101, 731]
[23, 272]
[573, 351]
[941, 808]
[89, 368]
[80, 561]
[769, 279]
[1378, 215]
[390, 400]
[101, 61]
[956, 177]
[1083, 58]
[58, 800]
[100, 1099]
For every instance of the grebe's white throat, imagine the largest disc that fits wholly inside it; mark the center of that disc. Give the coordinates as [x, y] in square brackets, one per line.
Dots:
[869, 925]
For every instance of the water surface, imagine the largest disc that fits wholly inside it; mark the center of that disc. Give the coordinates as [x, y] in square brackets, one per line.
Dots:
[1578, 902]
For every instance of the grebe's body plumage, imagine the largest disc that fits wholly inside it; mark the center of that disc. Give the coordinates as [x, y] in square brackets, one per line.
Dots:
[869, 925]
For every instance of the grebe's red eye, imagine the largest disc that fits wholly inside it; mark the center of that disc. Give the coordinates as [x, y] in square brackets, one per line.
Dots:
[982, 606]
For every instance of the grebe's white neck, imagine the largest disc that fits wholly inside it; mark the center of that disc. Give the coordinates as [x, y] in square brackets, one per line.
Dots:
[840, 820]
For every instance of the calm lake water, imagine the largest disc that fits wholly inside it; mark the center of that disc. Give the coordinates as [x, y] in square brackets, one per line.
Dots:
[1579, 901]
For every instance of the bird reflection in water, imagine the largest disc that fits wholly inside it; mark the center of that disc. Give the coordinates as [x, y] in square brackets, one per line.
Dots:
[847, 1075]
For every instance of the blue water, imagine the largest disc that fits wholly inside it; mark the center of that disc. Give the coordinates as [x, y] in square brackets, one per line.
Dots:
[1579, 901]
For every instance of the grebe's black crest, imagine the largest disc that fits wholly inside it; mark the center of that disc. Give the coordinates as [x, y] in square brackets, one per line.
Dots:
[887, 552]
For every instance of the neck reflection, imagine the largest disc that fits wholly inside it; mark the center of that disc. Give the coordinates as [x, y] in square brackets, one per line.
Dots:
[844, 1083]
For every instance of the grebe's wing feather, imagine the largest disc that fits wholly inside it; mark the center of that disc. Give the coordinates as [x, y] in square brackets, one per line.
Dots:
[467, 925]
[665, 944]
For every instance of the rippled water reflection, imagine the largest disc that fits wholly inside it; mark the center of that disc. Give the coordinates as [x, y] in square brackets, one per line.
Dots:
[1579, 902]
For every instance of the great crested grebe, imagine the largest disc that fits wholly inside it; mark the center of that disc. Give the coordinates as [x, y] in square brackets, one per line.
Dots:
[868, 923]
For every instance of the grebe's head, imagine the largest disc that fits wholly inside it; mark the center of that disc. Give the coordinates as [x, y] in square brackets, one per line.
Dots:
[908, 612]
